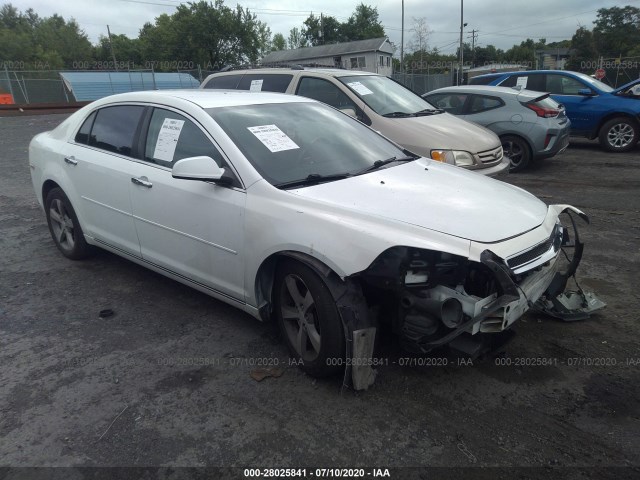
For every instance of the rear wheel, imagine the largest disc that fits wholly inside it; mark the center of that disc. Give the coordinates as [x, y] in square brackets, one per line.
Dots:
[64, 226]
[518, 152]
[308, 319]
[619, 134]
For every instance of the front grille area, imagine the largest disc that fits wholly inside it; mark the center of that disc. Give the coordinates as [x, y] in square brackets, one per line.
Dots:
[490, 156]
[534, 252]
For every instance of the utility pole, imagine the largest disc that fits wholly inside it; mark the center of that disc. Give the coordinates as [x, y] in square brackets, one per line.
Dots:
[402, 42]
[474, 35]
[461, 49]
[321, 31]
[115, 64]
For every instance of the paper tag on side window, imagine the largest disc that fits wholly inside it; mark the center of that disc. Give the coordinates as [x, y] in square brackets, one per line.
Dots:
[360, 88]
[168, 139]
[273, 138]
[522, 82]
[256, 86]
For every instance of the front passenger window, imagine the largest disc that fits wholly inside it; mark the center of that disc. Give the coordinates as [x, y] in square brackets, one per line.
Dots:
[172, 137]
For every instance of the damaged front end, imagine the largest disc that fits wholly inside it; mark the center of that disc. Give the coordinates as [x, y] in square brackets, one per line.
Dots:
[433, 299]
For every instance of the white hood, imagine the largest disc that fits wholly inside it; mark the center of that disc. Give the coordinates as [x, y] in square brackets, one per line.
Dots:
[438, 197]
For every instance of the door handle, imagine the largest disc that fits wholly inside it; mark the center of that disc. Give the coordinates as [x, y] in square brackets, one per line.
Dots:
[71, 160]
[142, 181]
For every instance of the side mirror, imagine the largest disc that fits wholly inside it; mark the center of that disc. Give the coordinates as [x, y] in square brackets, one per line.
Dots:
[587, 92]
[198, 168]
[349, 111]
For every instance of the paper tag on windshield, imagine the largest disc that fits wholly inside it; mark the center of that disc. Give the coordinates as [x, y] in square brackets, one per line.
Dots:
[256, 86]
[522, 82]
[273, 138]
[168, 139]
[360, 88]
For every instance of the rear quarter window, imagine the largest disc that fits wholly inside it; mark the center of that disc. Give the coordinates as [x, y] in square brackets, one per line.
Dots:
[534, 81]
[224, 82]
[265, 83]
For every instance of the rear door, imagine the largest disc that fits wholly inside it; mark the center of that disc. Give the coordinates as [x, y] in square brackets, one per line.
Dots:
[99, 161]
[188, 227]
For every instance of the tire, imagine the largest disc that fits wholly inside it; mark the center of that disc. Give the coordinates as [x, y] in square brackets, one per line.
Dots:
[517, 149]
[620, 134]
[64, 226]
[308, 319]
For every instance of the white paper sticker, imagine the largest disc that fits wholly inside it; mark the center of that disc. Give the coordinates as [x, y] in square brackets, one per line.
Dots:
[360, 88]
[273, 138]
[522, 82]
[256, 85]
[168, 139]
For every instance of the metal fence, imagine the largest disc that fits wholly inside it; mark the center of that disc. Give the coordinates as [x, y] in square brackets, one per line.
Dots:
[421, 83]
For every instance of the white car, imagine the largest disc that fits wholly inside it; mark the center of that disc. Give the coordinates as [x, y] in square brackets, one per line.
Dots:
[294, 211]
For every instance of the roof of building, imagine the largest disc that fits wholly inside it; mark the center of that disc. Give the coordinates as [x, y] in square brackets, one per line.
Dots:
[331, 50]
[496, 66]
[89, 86]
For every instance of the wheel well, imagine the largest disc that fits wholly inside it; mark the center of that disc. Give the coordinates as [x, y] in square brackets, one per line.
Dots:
[266, 275]
[526, 142]
[611, 116]
[46, 188]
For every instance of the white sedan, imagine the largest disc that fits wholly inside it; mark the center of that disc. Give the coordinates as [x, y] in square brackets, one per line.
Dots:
[294, 211]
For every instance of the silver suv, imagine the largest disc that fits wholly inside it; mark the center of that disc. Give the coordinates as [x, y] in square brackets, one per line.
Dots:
[384, 105]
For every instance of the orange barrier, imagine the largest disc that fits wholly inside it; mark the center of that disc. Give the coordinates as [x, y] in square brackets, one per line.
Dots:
[6, 99]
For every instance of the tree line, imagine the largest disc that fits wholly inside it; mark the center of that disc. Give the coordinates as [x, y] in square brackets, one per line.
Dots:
[615, 36]
[211, 35]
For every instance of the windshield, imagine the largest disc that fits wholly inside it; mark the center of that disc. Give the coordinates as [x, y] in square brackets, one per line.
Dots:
[386, 97]
[594, 83]
[287, 142]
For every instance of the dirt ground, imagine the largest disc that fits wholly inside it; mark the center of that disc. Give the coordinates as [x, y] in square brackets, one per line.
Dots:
[165, 381]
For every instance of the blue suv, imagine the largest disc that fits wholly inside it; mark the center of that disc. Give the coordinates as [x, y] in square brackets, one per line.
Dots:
[595, 109]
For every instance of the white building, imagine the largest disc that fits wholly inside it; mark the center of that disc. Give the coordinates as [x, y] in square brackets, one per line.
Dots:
[372, 55]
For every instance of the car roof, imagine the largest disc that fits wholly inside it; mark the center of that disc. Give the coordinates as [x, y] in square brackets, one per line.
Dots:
[207, 98]
[334, 72]
[488, 89]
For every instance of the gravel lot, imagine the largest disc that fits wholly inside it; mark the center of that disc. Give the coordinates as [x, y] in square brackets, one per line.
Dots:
[172, 366]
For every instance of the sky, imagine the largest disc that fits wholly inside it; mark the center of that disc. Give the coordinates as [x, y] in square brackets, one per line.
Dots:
[497, 22]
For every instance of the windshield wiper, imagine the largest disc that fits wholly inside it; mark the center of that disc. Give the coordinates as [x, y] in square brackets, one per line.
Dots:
[312, 179]
[429, 111]
[381, 163]
[398, 114]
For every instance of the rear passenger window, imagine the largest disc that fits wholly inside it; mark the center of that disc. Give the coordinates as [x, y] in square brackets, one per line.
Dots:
[224, 82]
[83, 134]
[266, 83]
[530, 82]
[482, 103]
[115, 128]
[449, 102]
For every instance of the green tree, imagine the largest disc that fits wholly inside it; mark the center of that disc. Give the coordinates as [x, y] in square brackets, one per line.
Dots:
[125, 49]
[204, 33]
[322, 30]
[617, 30]
[583, 50]
[296, 39]
[362, 24]
[278, 42]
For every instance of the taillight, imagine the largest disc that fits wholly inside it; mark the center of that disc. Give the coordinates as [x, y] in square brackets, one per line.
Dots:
[543, 112]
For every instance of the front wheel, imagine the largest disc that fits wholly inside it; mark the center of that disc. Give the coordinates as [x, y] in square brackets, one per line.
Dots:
[619, 134]
[65, 227]
[518, 152]
[308, 319]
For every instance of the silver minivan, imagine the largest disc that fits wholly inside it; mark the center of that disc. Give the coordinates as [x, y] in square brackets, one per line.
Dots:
[386, 106]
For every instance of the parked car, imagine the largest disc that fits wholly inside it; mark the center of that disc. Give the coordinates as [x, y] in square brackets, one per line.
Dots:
[595, 109]
[384, 105]
[291, 210]
[531, 126]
